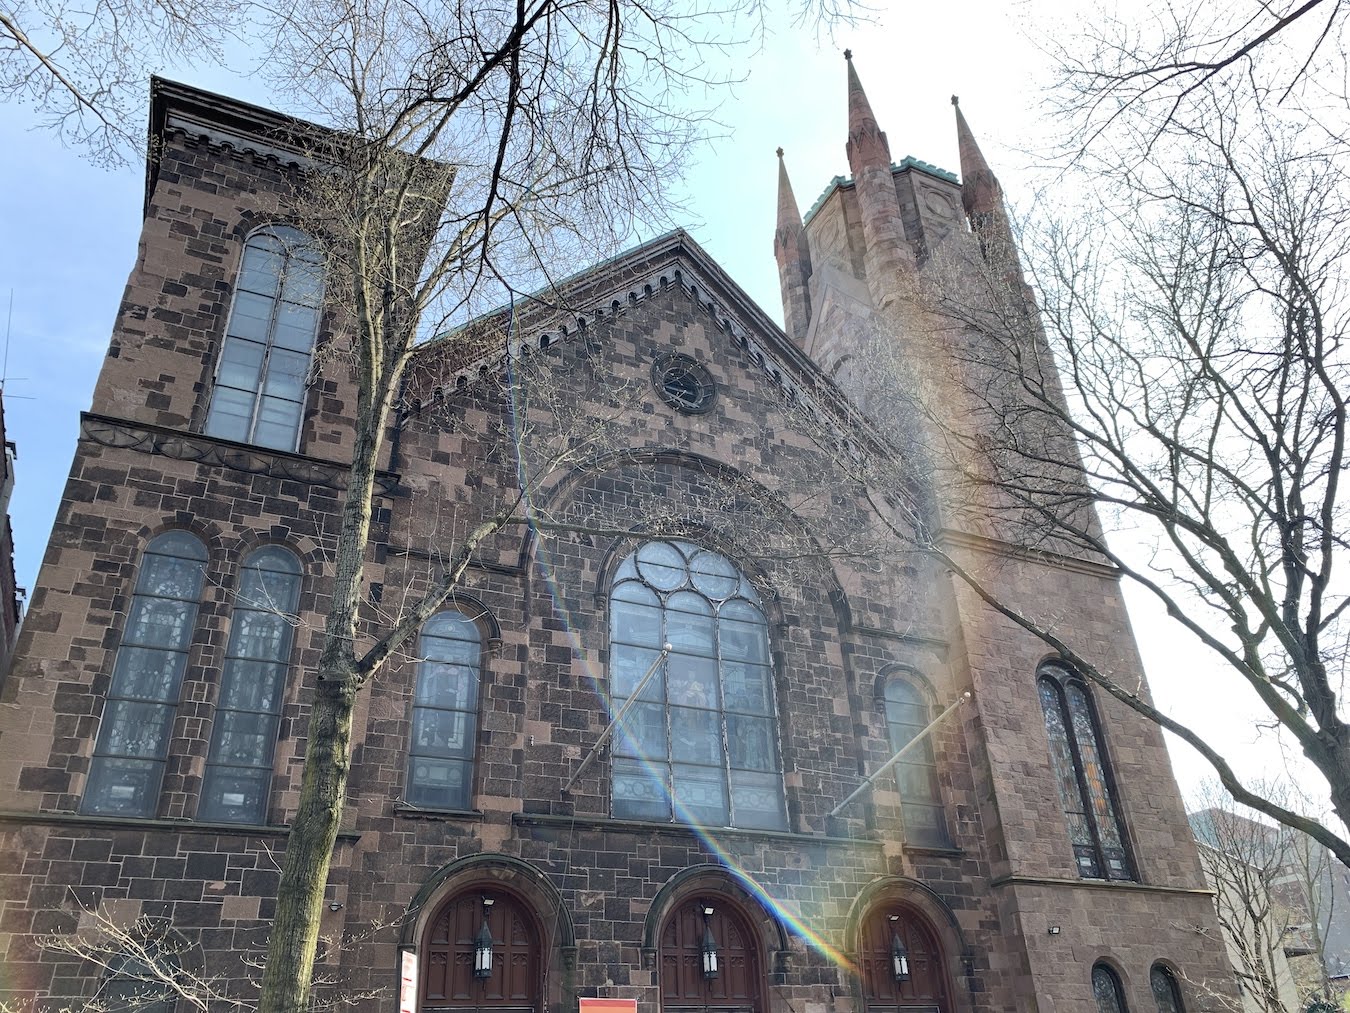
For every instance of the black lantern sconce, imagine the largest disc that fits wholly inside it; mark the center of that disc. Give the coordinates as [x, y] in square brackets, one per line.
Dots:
[709, 946]
[482, 945]
[899, 955]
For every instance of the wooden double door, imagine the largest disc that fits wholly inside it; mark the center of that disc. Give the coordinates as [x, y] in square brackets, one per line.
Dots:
[738, 987]
[448, 981]
[927, 990]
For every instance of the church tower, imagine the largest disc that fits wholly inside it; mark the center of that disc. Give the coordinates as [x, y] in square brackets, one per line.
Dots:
[1078, 806]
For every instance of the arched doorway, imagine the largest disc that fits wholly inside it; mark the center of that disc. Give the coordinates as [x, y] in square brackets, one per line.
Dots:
[926, 987]
[685, 988]
[448, 980]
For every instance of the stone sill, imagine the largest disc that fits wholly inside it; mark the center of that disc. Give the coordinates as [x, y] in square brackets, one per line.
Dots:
[591, 821]
[930, 851]
[1097, 884]
[406, 810]
[152, 823]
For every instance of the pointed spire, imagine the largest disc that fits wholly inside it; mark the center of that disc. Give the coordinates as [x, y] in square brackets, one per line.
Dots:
[980, 190]
[793, 253]
[789, 217]
[867, 145]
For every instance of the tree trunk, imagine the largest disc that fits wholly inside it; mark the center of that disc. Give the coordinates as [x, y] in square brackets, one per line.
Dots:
[309, 849]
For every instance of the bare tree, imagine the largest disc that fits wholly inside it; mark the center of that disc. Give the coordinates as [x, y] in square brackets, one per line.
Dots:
[474, 147]
[1157, 62]
[83, 68]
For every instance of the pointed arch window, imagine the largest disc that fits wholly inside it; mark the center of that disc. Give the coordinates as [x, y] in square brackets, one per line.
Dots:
[701, 745]
[127, 767]
[1107, 990]
[445, 713]
[257, 662]
[259, 392]
[133, 983]
[908, 712]
[1081, 770]
[1166, 990]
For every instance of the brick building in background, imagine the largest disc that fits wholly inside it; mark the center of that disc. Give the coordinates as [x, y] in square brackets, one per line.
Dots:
[1033, 856]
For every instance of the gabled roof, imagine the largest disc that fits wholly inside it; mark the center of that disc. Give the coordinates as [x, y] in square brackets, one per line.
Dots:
[611, 286]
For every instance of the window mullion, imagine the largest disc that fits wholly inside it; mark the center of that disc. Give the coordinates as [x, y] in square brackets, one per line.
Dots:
[722, 716]
[666, 716]
[267, 348]
[1084, 793]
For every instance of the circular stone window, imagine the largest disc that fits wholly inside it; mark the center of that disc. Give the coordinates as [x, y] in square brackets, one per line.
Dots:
[684, 383]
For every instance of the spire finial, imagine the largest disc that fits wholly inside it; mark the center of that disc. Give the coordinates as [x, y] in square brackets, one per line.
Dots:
[980, 190]
[780, 153]
[848, 54]
[955, 101]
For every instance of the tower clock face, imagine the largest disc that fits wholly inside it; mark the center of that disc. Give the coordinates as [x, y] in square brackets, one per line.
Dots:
[683, 383]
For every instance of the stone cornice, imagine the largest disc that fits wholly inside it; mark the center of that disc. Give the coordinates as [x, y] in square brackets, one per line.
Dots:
[9, 817]
[207, 450]
[997, 547]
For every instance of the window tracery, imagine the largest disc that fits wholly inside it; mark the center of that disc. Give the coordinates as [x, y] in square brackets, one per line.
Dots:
[1082, 775]
[701, 743]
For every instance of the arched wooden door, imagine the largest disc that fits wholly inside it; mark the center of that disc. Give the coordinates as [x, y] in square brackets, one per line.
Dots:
[448, 982]
[926, 991]
[738, 987]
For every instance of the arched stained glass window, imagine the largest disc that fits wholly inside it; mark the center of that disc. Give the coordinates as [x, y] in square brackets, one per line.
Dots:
[257, 662]
[133, 984]
[445, 713]
[259, 393]
[907, 714]
[1166, 990]
[1107, 990]
[1080, 766]
[133, 738]
[701, 745]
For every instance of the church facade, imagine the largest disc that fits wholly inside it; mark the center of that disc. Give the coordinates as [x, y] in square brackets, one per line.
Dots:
[1030, 853]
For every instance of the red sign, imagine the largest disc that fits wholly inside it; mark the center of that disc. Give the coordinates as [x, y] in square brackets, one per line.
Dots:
[590, 1005]
[407, 986]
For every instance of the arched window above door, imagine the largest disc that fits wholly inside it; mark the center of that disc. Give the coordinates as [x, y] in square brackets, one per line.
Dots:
[1166, 990]
[445, 713]
[701, 745]
[908, 712]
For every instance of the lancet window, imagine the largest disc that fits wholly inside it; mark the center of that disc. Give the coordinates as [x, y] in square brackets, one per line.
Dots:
[259, 392]
[1083, 775]
[445, 713]
[907, 714]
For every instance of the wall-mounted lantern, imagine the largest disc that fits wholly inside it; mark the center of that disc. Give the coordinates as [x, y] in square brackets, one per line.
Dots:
[899, 955]
[482, 945]
[709, 946]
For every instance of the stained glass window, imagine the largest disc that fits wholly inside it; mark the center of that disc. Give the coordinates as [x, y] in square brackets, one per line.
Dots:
[1085, 790]
[244, 735]
[1166, 991]
[259, 392]
[1106, 990]
[133, 738]
[445, 713]
[701, 743]
[907, 714]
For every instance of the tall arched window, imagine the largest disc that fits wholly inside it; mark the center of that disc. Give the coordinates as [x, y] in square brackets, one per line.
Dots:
[445, 714]
[133, 738]
[259, 391]
[907, 714]
[1107, 990]
[132, 983]
[1166, 991]
[896, 930]
[1085, 788]
[257, 661]
[702, 743]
